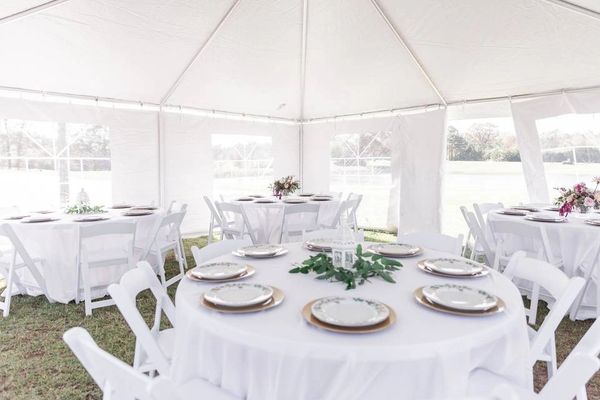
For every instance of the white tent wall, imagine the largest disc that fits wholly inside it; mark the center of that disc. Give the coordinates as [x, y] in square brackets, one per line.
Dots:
[188, 158]
[525, 115]
[417, 155]
[133, 143]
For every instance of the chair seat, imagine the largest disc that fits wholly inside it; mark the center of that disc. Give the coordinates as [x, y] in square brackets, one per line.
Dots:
[482, 382]
[166, 341]
[201, 389]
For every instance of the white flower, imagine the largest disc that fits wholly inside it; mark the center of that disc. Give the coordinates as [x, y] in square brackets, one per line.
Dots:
[589, 202]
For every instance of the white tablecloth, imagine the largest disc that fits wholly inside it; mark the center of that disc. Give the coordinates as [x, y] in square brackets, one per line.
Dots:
[57, 244]
[277, 355]
[574, 242]
[266, 219]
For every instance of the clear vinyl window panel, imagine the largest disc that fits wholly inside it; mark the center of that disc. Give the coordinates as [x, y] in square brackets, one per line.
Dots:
[243, 164]
[45, 164]
[570, 149]
[483, 166]
[361, 163]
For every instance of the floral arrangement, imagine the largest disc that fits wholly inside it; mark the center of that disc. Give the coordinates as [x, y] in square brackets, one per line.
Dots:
[578, 197]
[284, 186]
[366, 265]
[84, 208]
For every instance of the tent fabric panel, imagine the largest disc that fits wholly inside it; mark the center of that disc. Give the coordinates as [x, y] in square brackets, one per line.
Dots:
[355, 63]
[480, 49]
[253, 63]
[119, 49]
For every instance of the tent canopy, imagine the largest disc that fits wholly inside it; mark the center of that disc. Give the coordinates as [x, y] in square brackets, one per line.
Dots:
[299, 59]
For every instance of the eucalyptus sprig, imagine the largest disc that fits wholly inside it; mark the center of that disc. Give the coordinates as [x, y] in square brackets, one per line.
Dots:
[367, 265]
[84, 208]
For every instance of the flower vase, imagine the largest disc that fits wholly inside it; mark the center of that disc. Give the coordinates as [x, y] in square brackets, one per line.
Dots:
[583, 209]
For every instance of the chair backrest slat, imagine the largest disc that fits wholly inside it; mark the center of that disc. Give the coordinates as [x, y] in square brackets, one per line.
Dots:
[217, 249]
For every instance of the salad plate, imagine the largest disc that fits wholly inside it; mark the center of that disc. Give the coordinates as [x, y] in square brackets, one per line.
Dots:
[349, 311]
[239, 294]
[454, 266]
[460, 297]
[398, 250]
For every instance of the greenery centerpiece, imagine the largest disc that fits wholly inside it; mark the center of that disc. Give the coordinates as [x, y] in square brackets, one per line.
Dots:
[367, 265]
[284, 186]
[84, 208]
[579, 197]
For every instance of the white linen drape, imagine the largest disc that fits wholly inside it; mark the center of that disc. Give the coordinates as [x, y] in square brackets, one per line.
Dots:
[421, 150]
[526, 113]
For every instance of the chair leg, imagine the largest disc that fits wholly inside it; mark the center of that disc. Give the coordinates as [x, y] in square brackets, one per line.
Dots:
[9, 286]
[210, 231]
[535, 295]
[161, 268]
[87, 291]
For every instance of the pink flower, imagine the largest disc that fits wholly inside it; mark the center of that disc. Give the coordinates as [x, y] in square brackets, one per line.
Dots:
[565, 209]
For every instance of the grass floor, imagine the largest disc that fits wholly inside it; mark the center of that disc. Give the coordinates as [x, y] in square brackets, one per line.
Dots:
[36, 364]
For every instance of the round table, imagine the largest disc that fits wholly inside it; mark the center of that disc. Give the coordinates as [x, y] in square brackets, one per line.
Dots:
[573, 242]
[275, 354]
[56, 243]
[266, 218]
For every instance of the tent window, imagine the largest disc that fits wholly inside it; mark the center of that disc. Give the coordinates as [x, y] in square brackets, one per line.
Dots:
[242, 164]
[570, 148]
[53, 161]
[360, 163]
[483, 165]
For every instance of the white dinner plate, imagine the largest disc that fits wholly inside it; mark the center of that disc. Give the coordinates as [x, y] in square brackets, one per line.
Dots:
[306, 194]
[121, 206]
[294, 200]
[264, 201]
[239, 294]
[349, 311]
[319, 244]
[552, 208]
[396, 249]
[460, 297]
[513, 211]
[144, 208]
[137, 213]
[16, 217]
[256, 196]
[39, 219]
[244, 199]
[261, 250]
[525, 208]
[219, 270]
[454, 266]
[543, 217]
[595, 222]
[90, 218]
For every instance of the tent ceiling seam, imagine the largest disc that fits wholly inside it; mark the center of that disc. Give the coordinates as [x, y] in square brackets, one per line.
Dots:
[303, 56]
[31, 11]
[411, 53]
[198, 52]
[575, 8]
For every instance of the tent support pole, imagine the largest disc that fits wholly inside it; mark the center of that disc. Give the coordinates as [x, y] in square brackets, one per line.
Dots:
[411, 53]
[302, 91]
[31, 11]
[575, 8]
[161, 159]
[198, 52]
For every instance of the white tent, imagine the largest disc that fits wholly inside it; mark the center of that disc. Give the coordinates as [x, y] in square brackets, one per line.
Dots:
[299, 71]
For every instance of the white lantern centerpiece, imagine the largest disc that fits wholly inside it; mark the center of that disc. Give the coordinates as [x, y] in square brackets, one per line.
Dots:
[343, 247]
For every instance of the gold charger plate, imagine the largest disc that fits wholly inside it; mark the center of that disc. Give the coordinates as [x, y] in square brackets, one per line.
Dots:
[420, 297]
[274, 301]
[421, 265]
[307, 314]
[250, 270]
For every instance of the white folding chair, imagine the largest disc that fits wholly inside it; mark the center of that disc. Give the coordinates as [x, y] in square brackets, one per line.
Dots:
[434, 241]
[17, 258]
[162, 388]
[297, 219]
[346, 211]
[238, 226]
[590, 275]
[562, 289]
[116, 379]
[153, 347]
[102, 245]
[167, 237]
[359, 236]
[217, 249]
[532, 239]
[357, 198]
[570, 379]
[480, 247]
[482, 210]
[574, 372]
[215, 219]
[176, 206]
